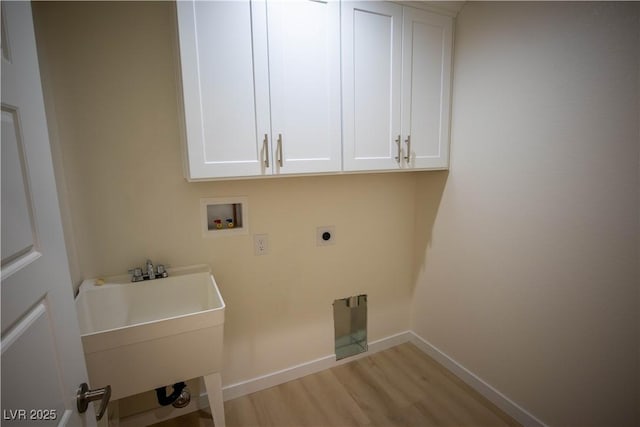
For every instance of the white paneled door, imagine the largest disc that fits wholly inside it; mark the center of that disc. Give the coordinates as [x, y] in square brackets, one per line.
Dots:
[42, 359]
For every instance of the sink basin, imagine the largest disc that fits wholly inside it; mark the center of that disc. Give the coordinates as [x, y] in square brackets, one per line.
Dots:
[144, 335]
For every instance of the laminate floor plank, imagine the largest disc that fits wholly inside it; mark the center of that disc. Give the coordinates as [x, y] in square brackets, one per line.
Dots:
[474, 408]
[374, 400]
[273, 409]
[334, 400]
[437, 409]
[306, 412]
[397, 387]
[448, 395]
[241, 412]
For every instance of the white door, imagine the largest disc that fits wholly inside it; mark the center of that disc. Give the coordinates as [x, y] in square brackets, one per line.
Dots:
[426, 89]
[371, 78]
[304, 71]
[42, 359]
[225, 84]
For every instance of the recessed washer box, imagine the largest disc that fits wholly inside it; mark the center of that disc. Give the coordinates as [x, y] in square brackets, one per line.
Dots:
[224, 216]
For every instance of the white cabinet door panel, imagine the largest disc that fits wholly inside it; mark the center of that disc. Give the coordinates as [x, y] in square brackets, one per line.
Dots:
[372, 48]
[426, 88]
[224, 75]
[304, 71]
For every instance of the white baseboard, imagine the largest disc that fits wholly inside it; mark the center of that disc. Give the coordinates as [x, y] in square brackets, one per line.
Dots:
[275, 378]
[514, 410]
[243, 388]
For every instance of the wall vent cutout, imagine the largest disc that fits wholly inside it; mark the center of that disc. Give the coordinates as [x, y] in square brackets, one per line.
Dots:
[224, 216]
[350, 326]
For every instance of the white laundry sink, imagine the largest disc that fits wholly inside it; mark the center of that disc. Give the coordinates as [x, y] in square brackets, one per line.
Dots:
[143, 335]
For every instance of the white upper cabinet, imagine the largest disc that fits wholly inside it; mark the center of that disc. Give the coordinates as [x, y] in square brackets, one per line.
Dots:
[396, 67]
[304, 66]
[255, 107]
[225, 87]
[426, 86]
[278, 87]
[371, 79]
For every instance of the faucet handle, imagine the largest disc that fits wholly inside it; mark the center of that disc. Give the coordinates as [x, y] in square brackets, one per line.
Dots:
[161, 271]
[136, 274]
[135, 271]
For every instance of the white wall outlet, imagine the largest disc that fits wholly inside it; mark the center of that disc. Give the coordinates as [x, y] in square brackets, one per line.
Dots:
[260, 244]
[326, 235]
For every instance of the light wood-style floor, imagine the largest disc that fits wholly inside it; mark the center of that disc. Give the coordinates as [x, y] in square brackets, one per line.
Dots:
[400, 387]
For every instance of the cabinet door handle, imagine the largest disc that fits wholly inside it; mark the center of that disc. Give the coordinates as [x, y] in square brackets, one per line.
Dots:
[408, 156]
[265, 147]
[279, 153]
[398, 143]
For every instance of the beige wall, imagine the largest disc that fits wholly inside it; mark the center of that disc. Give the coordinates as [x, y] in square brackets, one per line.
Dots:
[529, 274]
[110, 75]
[525, 254]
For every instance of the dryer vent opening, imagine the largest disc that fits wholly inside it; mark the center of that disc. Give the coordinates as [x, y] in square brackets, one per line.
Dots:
[350, 325]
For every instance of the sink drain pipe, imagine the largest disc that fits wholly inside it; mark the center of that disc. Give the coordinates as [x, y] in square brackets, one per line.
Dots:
[179, 398]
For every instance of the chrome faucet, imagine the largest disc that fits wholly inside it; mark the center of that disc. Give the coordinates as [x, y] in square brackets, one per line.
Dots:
[149, 268]
[150, 272]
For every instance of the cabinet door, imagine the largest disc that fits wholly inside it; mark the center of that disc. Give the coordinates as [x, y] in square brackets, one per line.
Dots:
[426, 87]
[304, 67]
[223, 52]
[371, 73]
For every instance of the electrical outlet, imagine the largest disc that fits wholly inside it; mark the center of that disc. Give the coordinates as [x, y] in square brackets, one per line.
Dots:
[260, 244]
[326, 235]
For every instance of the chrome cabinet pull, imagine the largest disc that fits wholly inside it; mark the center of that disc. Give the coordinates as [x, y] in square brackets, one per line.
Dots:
[408, 156]
[84, 396]
[279, 153]
[265, 147]
[399, 149]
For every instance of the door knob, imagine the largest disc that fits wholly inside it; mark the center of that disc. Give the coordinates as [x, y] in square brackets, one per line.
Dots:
[85, 396]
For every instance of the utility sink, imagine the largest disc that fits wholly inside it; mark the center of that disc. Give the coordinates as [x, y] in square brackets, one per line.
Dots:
[144, 335]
